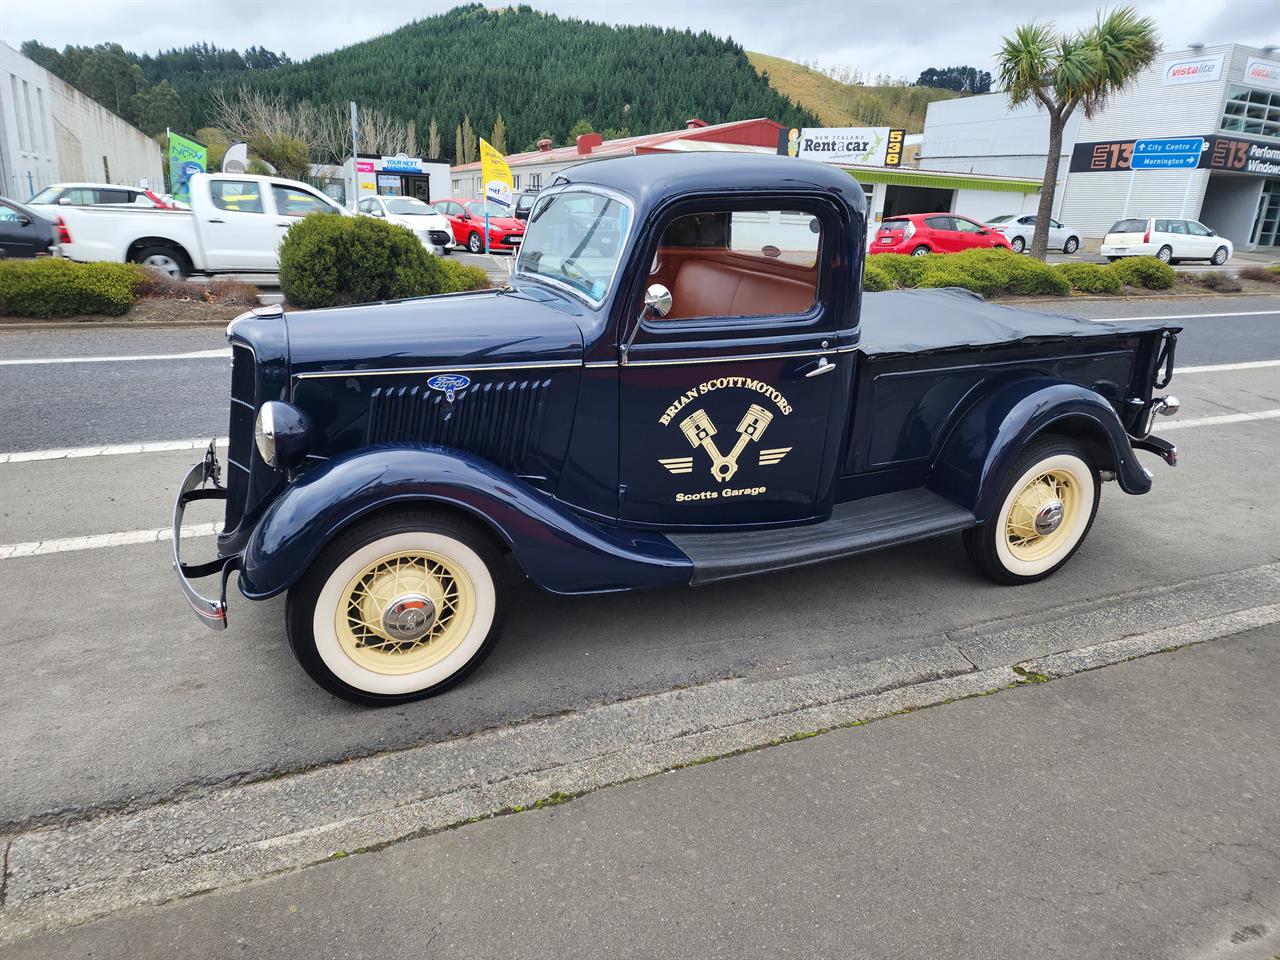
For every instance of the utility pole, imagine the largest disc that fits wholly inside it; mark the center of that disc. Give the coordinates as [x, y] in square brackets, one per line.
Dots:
[355, 155]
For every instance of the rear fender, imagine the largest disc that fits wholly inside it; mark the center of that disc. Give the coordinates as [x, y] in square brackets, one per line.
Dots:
[559, 550]
[991, 434]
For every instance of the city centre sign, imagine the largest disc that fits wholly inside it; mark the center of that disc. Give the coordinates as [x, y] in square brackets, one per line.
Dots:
[1172, 153]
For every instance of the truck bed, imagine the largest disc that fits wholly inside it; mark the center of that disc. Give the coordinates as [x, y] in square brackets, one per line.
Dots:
[917, 321]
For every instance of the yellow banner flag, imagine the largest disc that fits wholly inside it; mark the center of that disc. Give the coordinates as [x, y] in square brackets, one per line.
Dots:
[496, 175]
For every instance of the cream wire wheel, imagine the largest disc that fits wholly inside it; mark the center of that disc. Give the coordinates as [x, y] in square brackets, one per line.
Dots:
[1048, 506]
[397, 608]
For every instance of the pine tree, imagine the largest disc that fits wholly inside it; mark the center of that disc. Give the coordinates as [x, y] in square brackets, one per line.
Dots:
[433, 140]
[499, 136]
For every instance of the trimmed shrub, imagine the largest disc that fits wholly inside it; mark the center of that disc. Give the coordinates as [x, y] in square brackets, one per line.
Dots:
[1269, 274]
[1090, 277]
[902, 269]
[63, 288]
[464, 277]
[328, 259]
[874, 280]
[1145, 272]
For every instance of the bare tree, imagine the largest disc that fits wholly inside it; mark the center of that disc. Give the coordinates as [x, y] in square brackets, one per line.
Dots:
[433, 140]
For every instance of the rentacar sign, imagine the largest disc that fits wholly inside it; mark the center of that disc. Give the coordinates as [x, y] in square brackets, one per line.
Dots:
[870, 146]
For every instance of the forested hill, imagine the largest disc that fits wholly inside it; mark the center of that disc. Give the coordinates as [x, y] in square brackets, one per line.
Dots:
[541, 72]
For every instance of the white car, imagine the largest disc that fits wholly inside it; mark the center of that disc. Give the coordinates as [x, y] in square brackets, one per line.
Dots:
[430, 225]
[1165, 239]
[1019, 229]
[92, 194]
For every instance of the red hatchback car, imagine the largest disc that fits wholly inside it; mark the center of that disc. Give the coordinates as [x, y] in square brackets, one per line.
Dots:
[921, 233]
[466, 217]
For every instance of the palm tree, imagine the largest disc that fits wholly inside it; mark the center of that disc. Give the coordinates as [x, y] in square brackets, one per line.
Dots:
[1066, 71]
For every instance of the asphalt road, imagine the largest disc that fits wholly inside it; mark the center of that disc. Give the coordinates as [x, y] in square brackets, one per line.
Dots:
[114, 695]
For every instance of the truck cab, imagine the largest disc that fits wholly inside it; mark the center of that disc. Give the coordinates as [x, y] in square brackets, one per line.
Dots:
[682, 383]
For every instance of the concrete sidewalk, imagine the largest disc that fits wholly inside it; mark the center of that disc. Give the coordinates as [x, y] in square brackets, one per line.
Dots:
[1132, 812]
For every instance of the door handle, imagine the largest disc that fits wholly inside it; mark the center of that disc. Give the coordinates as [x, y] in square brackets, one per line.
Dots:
[824, 366]
[216, 220]
[285, 224]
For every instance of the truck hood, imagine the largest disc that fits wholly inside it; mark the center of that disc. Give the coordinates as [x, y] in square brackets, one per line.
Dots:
[521, 326]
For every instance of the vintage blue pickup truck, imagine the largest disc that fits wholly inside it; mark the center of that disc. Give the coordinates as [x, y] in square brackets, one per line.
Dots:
[682, 383]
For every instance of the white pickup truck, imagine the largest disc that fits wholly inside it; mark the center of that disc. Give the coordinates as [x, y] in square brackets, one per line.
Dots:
[235, 225]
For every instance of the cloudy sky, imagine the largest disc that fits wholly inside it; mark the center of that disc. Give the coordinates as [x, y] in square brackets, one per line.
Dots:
[876, 36]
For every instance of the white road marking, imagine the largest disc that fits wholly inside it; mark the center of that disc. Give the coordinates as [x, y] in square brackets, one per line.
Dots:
[1220, 367]
[36, 548]
[1189, 316]
[112, 450]
[222, 353]
[1216, 421]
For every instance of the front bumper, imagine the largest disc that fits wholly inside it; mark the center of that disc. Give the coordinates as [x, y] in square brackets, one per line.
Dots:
[212, 613]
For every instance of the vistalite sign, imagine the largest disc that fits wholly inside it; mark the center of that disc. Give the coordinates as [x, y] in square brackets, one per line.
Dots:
[1192, 70]
[869, 146]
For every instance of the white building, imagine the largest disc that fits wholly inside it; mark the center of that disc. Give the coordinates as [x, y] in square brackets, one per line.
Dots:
[1228, 96]
[50, 132]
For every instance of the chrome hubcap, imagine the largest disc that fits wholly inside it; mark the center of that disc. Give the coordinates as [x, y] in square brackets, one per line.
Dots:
[1049, 517]
[409, 617]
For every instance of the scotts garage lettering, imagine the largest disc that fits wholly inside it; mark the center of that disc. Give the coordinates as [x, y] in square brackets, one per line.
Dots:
[746, 383]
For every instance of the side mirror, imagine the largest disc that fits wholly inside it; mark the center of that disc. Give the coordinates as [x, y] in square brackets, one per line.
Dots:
[64, 201]
[24, 220]
[377, 212]
[657, 299]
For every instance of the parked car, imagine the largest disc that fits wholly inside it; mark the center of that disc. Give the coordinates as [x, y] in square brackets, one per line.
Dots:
[523, 204]
[466, 217]
[92, 194]
[921, 233]
[1019, 230]
[687, 406]
[25, 232]
[235, 225]
[1165, 239]
[430, 225]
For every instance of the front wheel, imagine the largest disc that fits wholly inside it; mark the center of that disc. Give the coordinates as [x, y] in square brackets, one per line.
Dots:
[1164, 254]
[920, 251]
[398, 608]
[1072, 245]
[1018, 244]
[1047, 505]
[1219, 257]
[475, 244]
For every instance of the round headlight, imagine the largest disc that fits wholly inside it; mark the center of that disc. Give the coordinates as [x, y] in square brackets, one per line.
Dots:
[280, 433]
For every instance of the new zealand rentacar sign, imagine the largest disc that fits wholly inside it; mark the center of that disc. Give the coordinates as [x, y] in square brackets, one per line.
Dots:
[870, 146]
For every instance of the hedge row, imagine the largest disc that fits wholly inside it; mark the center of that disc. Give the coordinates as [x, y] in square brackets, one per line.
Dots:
[993, 272]
[51, 287]
[328, 259]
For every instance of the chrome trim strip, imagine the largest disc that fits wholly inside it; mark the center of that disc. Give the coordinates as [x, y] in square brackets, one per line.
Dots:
[404, 371]
[243, 403]
[735, 359]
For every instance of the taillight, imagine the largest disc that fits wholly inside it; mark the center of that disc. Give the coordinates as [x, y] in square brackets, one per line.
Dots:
[910, 230]
[64, 235]
[1146, 237]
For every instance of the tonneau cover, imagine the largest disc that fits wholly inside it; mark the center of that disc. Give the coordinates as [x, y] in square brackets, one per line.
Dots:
[915, 321]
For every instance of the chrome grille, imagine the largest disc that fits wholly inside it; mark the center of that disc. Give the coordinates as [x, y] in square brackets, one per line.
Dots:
[240, 432]
[500, 421]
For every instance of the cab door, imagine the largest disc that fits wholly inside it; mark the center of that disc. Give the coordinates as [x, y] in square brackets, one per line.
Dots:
[237, 231]
[727, 400]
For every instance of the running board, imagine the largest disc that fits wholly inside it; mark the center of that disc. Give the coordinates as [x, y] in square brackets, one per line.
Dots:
[857, 526]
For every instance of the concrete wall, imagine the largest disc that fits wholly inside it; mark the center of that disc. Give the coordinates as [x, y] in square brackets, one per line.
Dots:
[1230, 205]
[50, 132]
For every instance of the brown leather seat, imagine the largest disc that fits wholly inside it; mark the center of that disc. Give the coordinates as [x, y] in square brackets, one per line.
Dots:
[710, 287]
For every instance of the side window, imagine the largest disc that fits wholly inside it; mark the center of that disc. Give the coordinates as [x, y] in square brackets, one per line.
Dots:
[237, 196]
[7, 215]
[966, 226]
[292, 202]
[1198, 229]
[1162, 226]
[1029, 221]
[79, 196]
[366, 206]
[940, 223]
[1178, 226]
[740, 263]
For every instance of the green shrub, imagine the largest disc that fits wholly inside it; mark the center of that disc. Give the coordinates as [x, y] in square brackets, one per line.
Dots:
[874, 279]
[1013, 272]
[329, 259]
[903, 269]
[1145, 272]
[63, 288]
[1090, 277]
[463, 277]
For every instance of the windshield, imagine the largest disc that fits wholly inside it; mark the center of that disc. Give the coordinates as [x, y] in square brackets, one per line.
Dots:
[476, 209]
[1004, 219]
[407, 207]
[47, 195]
[575, 238]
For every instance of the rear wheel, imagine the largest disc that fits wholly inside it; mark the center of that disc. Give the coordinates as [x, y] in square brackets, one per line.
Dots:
[1072, 245]
[398, 608]
[1164, 254]
[166, 260]
[1219, 257]
[1047, 505]
[475, 244]
[1018, 244]
[920, 251]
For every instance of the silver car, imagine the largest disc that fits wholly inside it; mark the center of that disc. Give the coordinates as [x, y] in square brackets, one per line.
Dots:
[1019, 229]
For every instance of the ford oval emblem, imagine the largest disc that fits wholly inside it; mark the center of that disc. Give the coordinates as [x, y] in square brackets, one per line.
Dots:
[449, 384]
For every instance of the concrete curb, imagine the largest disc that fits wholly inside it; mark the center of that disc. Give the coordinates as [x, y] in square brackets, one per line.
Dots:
[62, 875]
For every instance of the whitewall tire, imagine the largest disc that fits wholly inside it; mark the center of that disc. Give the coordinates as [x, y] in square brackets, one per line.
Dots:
[1047, 505]
[398, 608]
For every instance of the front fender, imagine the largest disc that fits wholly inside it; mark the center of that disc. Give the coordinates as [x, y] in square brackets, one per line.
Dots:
[991, 434]
[559, 550]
